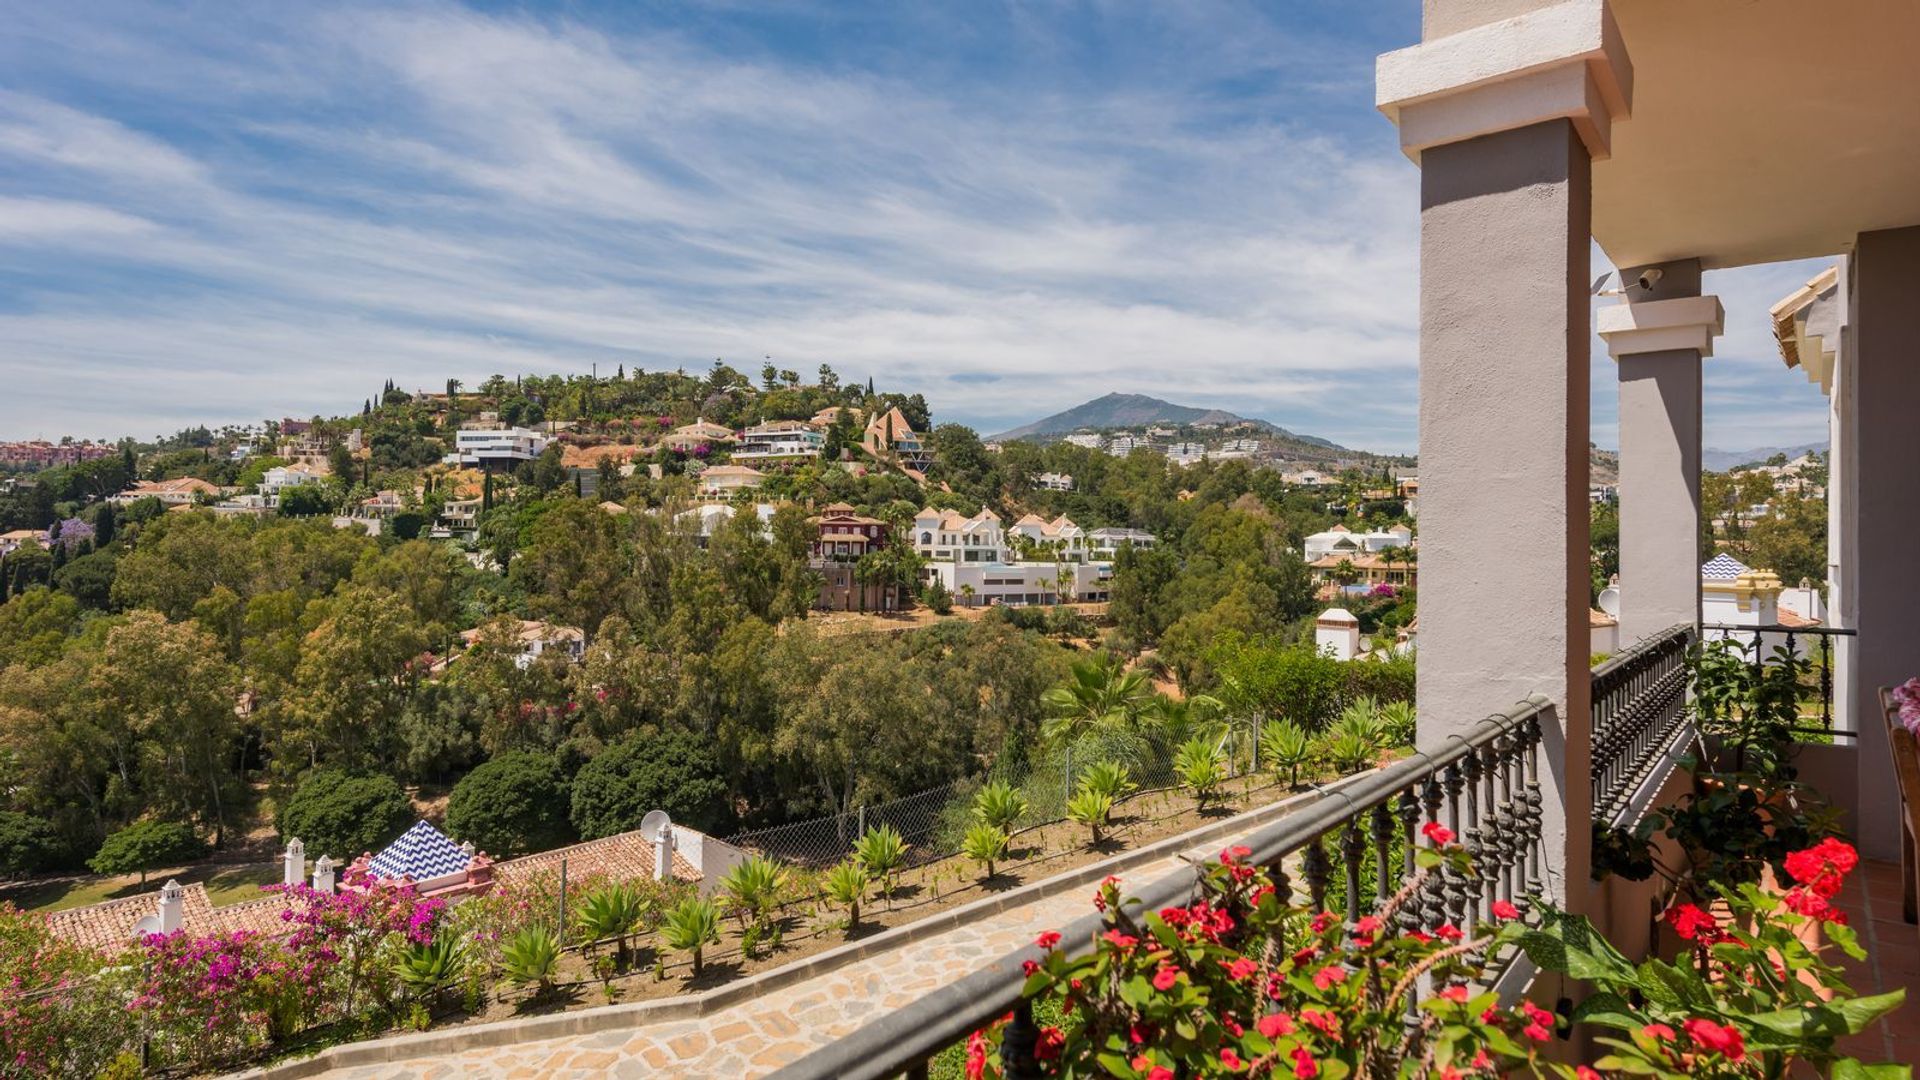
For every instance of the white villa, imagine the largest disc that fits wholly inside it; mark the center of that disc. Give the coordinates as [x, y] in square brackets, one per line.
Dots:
[725, 480]
[1053, 481]
[1056, 561]
[495, 446]
[1057, 539]
[695, 435]
[1086, 440]
[945, 536]
[1105, 543]
[1341, 541]
[780, 440]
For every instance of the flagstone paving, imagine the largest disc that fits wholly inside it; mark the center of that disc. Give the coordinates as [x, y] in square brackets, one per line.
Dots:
[758, 1036]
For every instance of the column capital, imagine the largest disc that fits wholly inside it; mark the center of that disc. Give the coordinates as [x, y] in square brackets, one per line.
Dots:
[1562, 61]
[1686, 322]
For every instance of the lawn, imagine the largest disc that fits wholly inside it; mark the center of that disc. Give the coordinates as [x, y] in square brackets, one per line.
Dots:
[226, 883]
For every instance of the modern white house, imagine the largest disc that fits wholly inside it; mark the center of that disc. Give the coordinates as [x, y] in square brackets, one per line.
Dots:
[707, 518]
[1122, 445]
[1053, 481]
[1104, 544]
[496, 447]
[780, 440]
[1186, 453]
[695, 435]
[1086, 440]
[1342, 541]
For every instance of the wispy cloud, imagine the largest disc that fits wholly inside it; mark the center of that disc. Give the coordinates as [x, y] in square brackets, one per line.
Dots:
[211, 214]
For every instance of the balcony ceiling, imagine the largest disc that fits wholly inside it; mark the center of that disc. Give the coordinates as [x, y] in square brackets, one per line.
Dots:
[1762, 130]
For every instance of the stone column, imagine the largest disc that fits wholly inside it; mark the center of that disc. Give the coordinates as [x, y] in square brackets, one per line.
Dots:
[1505, 120]
[1885, 366]
[1658, 335]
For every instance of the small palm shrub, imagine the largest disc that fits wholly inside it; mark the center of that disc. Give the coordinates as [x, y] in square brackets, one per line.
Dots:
[1092, 809]
[613, 911]
[1109, 778]
[1288, 749]
[531, 957]
[999, 805]
[882, 851]
[429, 968]
[753, 889]
[846, 885]
[691, 926]
[985, 844]
[1200, 768]
[1397, 723]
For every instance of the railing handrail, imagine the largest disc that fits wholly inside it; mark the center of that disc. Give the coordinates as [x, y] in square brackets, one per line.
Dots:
[1781, 628]
[1650, 643]
[899, 1040]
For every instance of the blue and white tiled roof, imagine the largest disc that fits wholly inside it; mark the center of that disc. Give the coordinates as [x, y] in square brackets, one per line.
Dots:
[422, 853]
[1723, 567]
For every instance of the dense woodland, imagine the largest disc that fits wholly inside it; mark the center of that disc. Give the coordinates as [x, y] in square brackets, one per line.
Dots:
[190, 669]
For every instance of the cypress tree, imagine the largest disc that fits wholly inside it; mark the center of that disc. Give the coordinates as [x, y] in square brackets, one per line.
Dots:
[486, 493]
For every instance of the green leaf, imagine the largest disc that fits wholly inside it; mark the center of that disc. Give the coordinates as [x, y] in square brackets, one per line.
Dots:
[1569, 945]
[1845, 937]
[1853, 1069]
[1844, 1016]
[1608, 1008]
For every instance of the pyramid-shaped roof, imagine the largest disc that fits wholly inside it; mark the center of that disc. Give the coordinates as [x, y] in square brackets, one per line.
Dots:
[1723, 567]
[422, 853]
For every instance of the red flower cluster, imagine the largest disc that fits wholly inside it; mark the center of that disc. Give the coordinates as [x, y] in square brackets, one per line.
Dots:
[1693, 924]
[1824, 866]
[1720, 1039]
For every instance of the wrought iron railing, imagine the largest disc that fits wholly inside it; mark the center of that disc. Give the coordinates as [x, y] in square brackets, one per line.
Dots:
[1349, 852]
[1638, 712]
[1809, 648]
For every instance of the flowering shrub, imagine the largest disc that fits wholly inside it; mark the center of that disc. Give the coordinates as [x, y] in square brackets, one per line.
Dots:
[1906, 700]
[1752, 995]
[62, 1008]
[1241, 982]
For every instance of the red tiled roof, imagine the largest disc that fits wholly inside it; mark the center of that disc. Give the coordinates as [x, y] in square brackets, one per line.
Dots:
[624, 856]
[109, 924]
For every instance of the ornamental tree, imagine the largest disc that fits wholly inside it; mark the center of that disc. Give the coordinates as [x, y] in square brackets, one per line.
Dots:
[513, 804]
[343, 814]
[679, 773]
[147, 845]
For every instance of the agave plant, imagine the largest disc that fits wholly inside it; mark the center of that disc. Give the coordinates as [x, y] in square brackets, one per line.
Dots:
[846, 885]
[532, 956]
[1362, 720]
[613, 911]
[1092, 809]
[426, 969]
[1109, 778]
[985, 844]
[753, 888]
[1287, 749]
[1200, 767]
[999, 805]
[691, 926]
[1397, 723]
[1350, 751]
[882, 851]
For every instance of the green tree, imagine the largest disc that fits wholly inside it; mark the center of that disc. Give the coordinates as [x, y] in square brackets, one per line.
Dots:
[356, 671]
[343, 815]
[28, 845]
[678, 772]
[145, 846]
[1099, 696]
[513, 804]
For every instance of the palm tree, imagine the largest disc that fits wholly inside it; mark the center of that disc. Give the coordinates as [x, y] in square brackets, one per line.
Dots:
[967, 591]
[1099, 695]
[1344, 572]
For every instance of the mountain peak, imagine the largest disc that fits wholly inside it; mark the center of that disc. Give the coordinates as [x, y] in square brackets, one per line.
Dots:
[1118, 410]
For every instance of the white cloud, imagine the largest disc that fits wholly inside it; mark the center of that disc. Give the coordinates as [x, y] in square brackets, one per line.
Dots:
[425, 192]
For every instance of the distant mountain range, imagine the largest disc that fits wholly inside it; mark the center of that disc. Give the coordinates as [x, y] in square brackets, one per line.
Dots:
[1722, 460]
[1137, 410]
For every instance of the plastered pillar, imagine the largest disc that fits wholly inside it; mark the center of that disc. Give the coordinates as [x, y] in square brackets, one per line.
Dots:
[1505, 120]
[1885, 486]
[1657, 336]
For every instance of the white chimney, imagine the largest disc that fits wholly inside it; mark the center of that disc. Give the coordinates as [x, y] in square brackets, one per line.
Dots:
[1337, 633]
[171, 903]
[663, 853]
[323, 874]
[293, 865]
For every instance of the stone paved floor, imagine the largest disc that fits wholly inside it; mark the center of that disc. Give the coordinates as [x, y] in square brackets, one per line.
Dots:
[758, 1036]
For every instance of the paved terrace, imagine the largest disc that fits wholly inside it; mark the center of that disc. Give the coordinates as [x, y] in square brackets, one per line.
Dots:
[758, 1036]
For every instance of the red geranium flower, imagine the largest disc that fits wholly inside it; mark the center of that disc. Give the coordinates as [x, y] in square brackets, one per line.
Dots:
[1504, 910]
[1724, 1041]
[1047, 939]
[1437, 833]
[1690, 922]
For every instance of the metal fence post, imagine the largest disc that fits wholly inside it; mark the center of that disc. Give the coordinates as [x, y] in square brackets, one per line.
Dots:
[861, 829]
[1066, 789]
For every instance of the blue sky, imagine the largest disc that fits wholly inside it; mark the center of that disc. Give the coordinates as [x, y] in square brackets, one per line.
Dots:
[217, 213]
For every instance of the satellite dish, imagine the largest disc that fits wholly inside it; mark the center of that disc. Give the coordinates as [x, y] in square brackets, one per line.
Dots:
[655, 821]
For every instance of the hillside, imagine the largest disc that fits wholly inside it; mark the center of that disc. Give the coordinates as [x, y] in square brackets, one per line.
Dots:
[1135, 410]
[1722, 460]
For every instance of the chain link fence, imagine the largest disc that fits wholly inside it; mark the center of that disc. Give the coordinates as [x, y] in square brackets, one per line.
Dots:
[935, 821]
